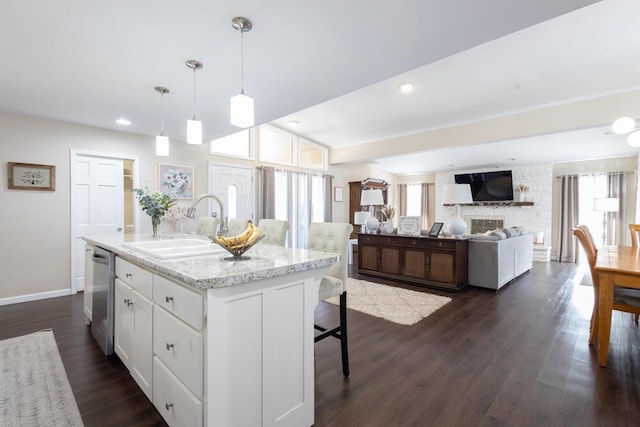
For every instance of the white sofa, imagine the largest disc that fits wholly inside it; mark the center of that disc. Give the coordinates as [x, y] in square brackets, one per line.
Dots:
[494, 262]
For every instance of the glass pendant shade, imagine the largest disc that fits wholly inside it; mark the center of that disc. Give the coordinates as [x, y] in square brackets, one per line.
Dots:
[194, 132]
[634, 139]
[242, 111]
[162, 145]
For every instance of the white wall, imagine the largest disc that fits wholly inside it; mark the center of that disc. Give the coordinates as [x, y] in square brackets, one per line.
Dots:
[35, 248]
[539, 179]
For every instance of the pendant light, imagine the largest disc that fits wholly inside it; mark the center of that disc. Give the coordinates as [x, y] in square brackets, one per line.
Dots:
[162, 141]
[241, 104]
[194, 127]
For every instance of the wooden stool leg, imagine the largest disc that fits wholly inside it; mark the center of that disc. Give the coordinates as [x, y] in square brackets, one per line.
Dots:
[343, 334]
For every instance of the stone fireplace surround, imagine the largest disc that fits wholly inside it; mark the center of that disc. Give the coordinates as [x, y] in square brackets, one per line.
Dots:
[481, 223]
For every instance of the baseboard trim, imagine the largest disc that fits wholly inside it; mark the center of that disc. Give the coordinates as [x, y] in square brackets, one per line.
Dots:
[35, 297]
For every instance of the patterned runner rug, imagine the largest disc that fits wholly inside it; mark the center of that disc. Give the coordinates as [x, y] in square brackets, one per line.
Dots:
[34, 389]
[397, 305]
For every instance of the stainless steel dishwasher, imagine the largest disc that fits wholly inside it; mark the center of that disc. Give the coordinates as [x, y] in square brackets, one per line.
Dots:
[103, 298]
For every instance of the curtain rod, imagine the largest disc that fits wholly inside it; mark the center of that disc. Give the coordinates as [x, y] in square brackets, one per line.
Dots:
[593, 173]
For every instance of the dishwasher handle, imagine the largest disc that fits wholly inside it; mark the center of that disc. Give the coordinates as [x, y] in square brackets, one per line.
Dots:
[100, 259]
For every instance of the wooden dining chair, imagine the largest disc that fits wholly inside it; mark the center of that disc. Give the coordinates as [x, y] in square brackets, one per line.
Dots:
[635, 229]
[624, 299]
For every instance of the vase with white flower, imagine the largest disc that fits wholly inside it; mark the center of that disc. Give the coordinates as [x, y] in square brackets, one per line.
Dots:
[522, 189]
[155, 205]
[388, 211]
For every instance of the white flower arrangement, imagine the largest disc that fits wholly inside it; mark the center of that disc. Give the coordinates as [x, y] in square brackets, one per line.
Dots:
[522, 188]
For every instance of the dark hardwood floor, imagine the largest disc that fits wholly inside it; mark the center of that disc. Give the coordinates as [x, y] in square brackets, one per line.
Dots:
[519, 357]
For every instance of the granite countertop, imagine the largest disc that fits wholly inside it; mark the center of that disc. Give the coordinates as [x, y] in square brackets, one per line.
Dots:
[213, 271]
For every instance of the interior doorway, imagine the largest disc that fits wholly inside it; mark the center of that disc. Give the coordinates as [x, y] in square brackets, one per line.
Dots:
[102, 202]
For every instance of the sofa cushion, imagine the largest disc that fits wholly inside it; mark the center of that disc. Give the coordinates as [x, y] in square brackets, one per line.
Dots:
[483, 237]
[498, 233]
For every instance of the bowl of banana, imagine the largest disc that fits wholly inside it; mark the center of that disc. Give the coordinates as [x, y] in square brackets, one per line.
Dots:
[238, 245]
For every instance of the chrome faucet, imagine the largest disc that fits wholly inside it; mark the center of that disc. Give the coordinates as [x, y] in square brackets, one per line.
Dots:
[191, 213]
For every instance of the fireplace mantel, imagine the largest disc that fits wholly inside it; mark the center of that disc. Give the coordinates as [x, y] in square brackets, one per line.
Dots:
[494, 204]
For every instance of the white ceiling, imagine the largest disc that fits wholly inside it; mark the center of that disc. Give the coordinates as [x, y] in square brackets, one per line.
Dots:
[334, 66]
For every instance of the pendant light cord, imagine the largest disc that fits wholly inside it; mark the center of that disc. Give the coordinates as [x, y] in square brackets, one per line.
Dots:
[194, 93]
[242, 60]
[162, 113]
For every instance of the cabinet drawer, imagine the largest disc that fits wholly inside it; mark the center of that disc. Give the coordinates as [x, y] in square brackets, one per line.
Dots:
[180, 347]
[446, 244]
[175, 403]
[139, 278]
[186, 304]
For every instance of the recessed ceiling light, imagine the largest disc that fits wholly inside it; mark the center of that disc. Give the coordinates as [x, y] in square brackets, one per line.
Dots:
[406, 87]
[123, 122]
[293, 124]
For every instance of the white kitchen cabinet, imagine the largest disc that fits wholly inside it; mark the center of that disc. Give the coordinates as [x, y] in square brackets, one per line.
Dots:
[142, 366]
[133, 329]
[177, 405]
[123, 323]
[88, 281]
[180, 347]
[210, 350]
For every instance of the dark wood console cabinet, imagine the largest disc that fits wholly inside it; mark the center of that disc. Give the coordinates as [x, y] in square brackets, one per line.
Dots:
[426, 261]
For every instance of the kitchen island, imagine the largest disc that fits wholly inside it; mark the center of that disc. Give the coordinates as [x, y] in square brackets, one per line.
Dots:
[215, 342]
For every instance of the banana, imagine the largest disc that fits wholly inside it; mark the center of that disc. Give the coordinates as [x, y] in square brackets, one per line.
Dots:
[255, 235]
[239, 241]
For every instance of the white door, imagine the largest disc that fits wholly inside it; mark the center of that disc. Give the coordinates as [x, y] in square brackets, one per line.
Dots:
[97, 205]
[234, 186]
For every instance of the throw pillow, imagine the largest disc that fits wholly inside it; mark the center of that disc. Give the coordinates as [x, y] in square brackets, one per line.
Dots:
[499, 234]
[508, 232]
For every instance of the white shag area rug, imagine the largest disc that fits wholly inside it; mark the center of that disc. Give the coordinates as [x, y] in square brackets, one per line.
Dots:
[397, 305]
[34, 389]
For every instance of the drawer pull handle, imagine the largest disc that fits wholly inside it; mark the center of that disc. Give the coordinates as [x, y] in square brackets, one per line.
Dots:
[129, 303]
[168, 299]
[440, 244]
[169, 346]
[169, 406]
[128, 275]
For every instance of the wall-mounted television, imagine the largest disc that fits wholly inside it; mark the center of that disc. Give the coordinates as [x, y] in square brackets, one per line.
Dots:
[494, 186]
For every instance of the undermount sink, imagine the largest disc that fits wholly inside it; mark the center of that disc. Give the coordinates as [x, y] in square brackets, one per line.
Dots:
[174, 248]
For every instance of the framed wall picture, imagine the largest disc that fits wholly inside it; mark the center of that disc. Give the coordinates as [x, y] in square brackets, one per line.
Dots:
[176, 180]
[337, 194]
[409, 225]
[29, 176]
[435, 229]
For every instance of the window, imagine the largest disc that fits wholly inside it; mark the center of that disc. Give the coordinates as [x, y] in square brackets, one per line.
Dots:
[275, 146]
[235, 145]
[414, 200]
[299, 199]
[232, 200]
[591, 187]
[311, 155]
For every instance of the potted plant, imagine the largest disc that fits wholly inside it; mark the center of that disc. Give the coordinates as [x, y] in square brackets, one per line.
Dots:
[155, 205]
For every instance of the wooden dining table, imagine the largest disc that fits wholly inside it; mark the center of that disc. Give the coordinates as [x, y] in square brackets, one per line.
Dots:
[619, 265]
